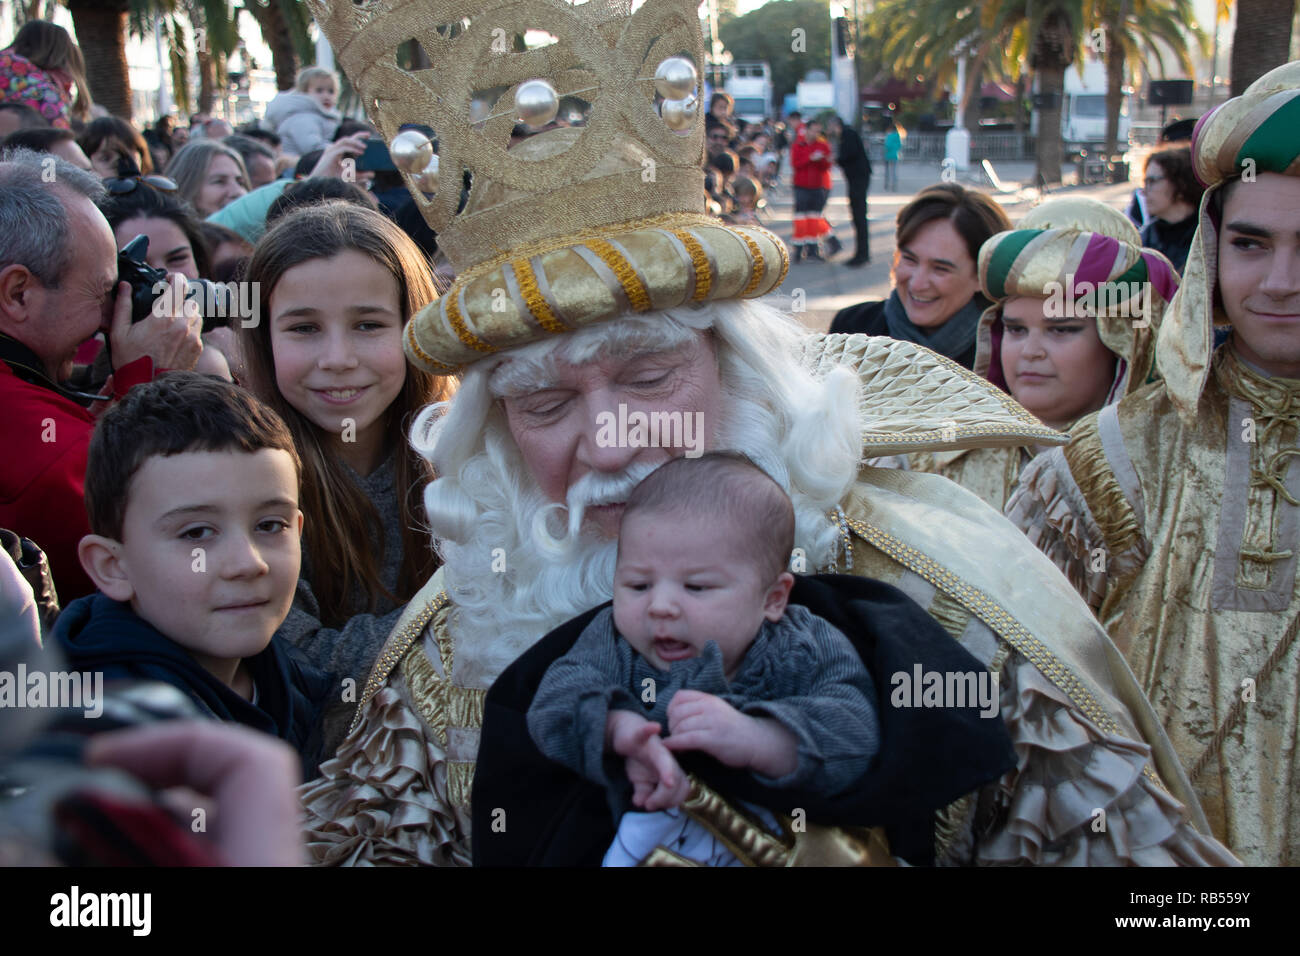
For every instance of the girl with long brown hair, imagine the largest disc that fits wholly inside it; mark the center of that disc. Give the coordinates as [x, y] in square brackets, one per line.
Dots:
[335, 284]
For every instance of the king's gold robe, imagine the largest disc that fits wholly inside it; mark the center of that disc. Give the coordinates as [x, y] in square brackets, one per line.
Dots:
[1096, 780]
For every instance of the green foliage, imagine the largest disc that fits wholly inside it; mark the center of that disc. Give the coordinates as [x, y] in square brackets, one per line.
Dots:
[767, 34]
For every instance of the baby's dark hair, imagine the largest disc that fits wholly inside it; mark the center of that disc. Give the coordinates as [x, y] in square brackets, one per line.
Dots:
[730, 485]
[175, 413]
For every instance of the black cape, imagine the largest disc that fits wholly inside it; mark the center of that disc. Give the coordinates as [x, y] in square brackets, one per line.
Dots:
[928, 757]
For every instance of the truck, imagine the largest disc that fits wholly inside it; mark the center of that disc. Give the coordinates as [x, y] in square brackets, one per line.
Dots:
[1083, 110]
[814, 94]
[750, 85]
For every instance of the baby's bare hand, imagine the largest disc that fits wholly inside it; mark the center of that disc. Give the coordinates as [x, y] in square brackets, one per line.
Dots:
[698, 721]
[657, 779]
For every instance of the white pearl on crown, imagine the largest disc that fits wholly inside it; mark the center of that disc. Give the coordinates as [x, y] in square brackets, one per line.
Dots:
[679, 115]
[411, 151]
[675, 78]
[537, 103]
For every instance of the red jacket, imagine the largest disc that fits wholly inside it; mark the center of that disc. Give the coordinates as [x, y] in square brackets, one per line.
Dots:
[45, 438]
[812, 163]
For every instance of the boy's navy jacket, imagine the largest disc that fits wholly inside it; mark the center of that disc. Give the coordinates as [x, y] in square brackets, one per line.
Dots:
[929, 756]
[99, 634]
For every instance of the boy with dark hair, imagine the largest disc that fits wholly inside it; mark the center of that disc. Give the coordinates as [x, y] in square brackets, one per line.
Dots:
[192, 491]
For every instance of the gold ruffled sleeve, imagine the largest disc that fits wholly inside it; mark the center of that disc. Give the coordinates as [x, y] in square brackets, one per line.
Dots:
[385, 799]
[1080, 795]
[1070, 503]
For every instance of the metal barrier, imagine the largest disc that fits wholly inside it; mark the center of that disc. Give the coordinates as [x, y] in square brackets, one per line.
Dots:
[931, 147]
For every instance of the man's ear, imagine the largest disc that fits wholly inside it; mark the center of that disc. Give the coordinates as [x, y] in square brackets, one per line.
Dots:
[101, 559]
[17, 285]
[778, 596]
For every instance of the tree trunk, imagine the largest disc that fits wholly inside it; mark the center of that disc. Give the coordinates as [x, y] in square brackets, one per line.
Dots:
[1053, 52]
[1261, 41]
[276, 35]
[1022, 120]
[970, 97]
[207, 81]
[100, 26]
[1114, 82]
[1050, 149]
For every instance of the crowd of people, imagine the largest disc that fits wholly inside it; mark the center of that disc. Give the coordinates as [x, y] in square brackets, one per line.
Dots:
[370, 509]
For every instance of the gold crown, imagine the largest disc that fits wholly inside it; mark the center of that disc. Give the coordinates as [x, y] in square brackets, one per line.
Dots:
[573, 225]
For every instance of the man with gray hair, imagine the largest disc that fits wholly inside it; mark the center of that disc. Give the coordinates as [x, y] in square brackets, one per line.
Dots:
[58, 287]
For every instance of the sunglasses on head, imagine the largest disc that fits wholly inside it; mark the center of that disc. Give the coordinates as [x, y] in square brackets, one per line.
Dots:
[125, 184]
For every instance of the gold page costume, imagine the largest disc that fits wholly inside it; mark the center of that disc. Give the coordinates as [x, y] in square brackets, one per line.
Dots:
[1174, 513]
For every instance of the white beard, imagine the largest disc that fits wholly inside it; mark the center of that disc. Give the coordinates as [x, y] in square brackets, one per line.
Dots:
[486, 509]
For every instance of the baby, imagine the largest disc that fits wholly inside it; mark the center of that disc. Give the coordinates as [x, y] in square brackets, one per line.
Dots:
[701, 640]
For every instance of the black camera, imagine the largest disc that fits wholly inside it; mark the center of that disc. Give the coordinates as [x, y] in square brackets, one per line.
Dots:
[215, 302]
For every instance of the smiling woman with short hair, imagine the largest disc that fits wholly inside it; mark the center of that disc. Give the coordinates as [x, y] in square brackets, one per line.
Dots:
[936, 300]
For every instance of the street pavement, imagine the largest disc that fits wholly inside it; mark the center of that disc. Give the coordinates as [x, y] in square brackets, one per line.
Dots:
[827, 287]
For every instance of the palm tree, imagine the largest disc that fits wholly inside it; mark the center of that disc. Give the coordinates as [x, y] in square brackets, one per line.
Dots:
[100, 26]
[284, 26]
[1057, 29]
[1133, 32]
[1261, 41]
[215, 33]
[999, 33]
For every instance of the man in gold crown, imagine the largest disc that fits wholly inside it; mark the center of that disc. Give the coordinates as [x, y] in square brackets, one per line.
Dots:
[1176, 512]
[600, 324]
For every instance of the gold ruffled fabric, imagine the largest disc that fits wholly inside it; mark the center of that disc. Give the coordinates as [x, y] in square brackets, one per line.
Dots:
[1046, 511]
[1078, 768]
[1106, 500]
[383, 800]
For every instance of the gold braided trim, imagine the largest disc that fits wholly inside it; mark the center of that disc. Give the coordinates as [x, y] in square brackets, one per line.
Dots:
[460, 782]
[424, 356]
[700, 262]
[637, 294]
[1091, 471]
[534, 299]
[752, 845]
[429, 691]
[394, 651]
[1006, 627]
[462, 330]
[949, 824]
[760, 267]
[465, 706]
